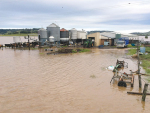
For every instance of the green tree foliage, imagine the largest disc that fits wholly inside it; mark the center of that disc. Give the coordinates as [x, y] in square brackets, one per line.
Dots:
[18, 31]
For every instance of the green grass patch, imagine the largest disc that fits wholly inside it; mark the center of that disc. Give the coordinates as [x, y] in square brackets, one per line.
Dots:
[147, 49]
[74, 51]
[145, 57]
[84, 50]
[130, 46]
[146, 65]
[132, 51]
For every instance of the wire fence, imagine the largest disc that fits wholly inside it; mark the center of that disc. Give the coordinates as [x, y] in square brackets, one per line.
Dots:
[145, 81]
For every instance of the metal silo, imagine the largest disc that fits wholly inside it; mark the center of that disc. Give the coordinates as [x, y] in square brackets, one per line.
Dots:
[81, 34]
[73, 33]
[53, 30]
[43, 35]
[64, 35]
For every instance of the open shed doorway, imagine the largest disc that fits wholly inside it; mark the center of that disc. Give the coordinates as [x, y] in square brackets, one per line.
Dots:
[93, 40]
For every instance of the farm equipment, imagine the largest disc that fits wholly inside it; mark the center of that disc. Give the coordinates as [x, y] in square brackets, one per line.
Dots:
[121, 64]
[123, 78]
[88, 43]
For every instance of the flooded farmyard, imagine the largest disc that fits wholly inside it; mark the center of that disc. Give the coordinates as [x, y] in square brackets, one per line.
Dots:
[34, 82]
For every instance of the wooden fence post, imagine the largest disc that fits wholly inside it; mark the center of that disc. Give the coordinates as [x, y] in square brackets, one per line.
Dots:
[144, 92]
[140, 83]
[29, 42]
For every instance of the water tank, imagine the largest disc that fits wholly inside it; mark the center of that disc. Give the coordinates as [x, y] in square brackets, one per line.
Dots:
[81, 34]
[53, 30]
[51, 39]
[118, 36]
[43, 33]
[142, 49]
[73, 34]
[64, 35]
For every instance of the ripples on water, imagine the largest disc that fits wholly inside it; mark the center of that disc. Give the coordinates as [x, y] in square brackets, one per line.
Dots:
[33, 82]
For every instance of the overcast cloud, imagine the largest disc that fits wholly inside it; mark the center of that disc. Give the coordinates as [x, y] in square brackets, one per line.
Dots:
[115, 15]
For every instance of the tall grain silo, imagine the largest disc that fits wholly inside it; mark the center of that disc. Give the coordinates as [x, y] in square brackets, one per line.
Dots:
[64, 35]
[43, 35]
[81, 34]
[73, 34]
[53, 30]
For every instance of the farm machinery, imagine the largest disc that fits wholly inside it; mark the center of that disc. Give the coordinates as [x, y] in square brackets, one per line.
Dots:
[88, 43]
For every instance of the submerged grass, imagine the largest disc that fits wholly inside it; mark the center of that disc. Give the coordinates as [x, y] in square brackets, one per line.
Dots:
[41, 53]
[92, 76]
[84, 50]
[80, 50]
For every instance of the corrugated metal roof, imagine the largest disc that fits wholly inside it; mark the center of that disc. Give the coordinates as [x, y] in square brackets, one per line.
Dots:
[109, 34]
[142, 38]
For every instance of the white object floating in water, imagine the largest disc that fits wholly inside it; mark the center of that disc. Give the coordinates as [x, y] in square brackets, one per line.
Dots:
[110, 67]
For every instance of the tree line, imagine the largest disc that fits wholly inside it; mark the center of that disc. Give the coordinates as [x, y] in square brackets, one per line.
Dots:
[18, 31]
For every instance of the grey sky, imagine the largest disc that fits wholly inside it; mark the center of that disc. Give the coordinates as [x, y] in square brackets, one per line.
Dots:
[116, 15]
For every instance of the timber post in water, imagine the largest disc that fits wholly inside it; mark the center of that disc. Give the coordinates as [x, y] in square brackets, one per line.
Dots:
[140, 83]
[28, 42]
[144, 92]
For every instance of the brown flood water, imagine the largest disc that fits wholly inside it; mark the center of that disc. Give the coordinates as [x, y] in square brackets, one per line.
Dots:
[31, 82]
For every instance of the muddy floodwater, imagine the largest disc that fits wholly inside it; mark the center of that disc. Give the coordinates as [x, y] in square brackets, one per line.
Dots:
[34, 82]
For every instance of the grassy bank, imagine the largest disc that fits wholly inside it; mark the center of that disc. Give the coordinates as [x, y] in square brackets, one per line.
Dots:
[21, 34]
[80, 50]
[84, 50]
[145, 59]
[132, 51]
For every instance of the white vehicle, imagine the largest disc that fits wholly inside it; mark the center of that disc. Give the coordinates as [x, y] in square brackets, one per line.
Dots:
[120, 44]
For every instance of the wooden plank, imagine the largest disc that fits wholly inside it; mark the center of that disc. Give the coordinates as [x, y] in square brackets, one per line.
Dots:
[127, 82]
[128, 78]
[137, 93]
